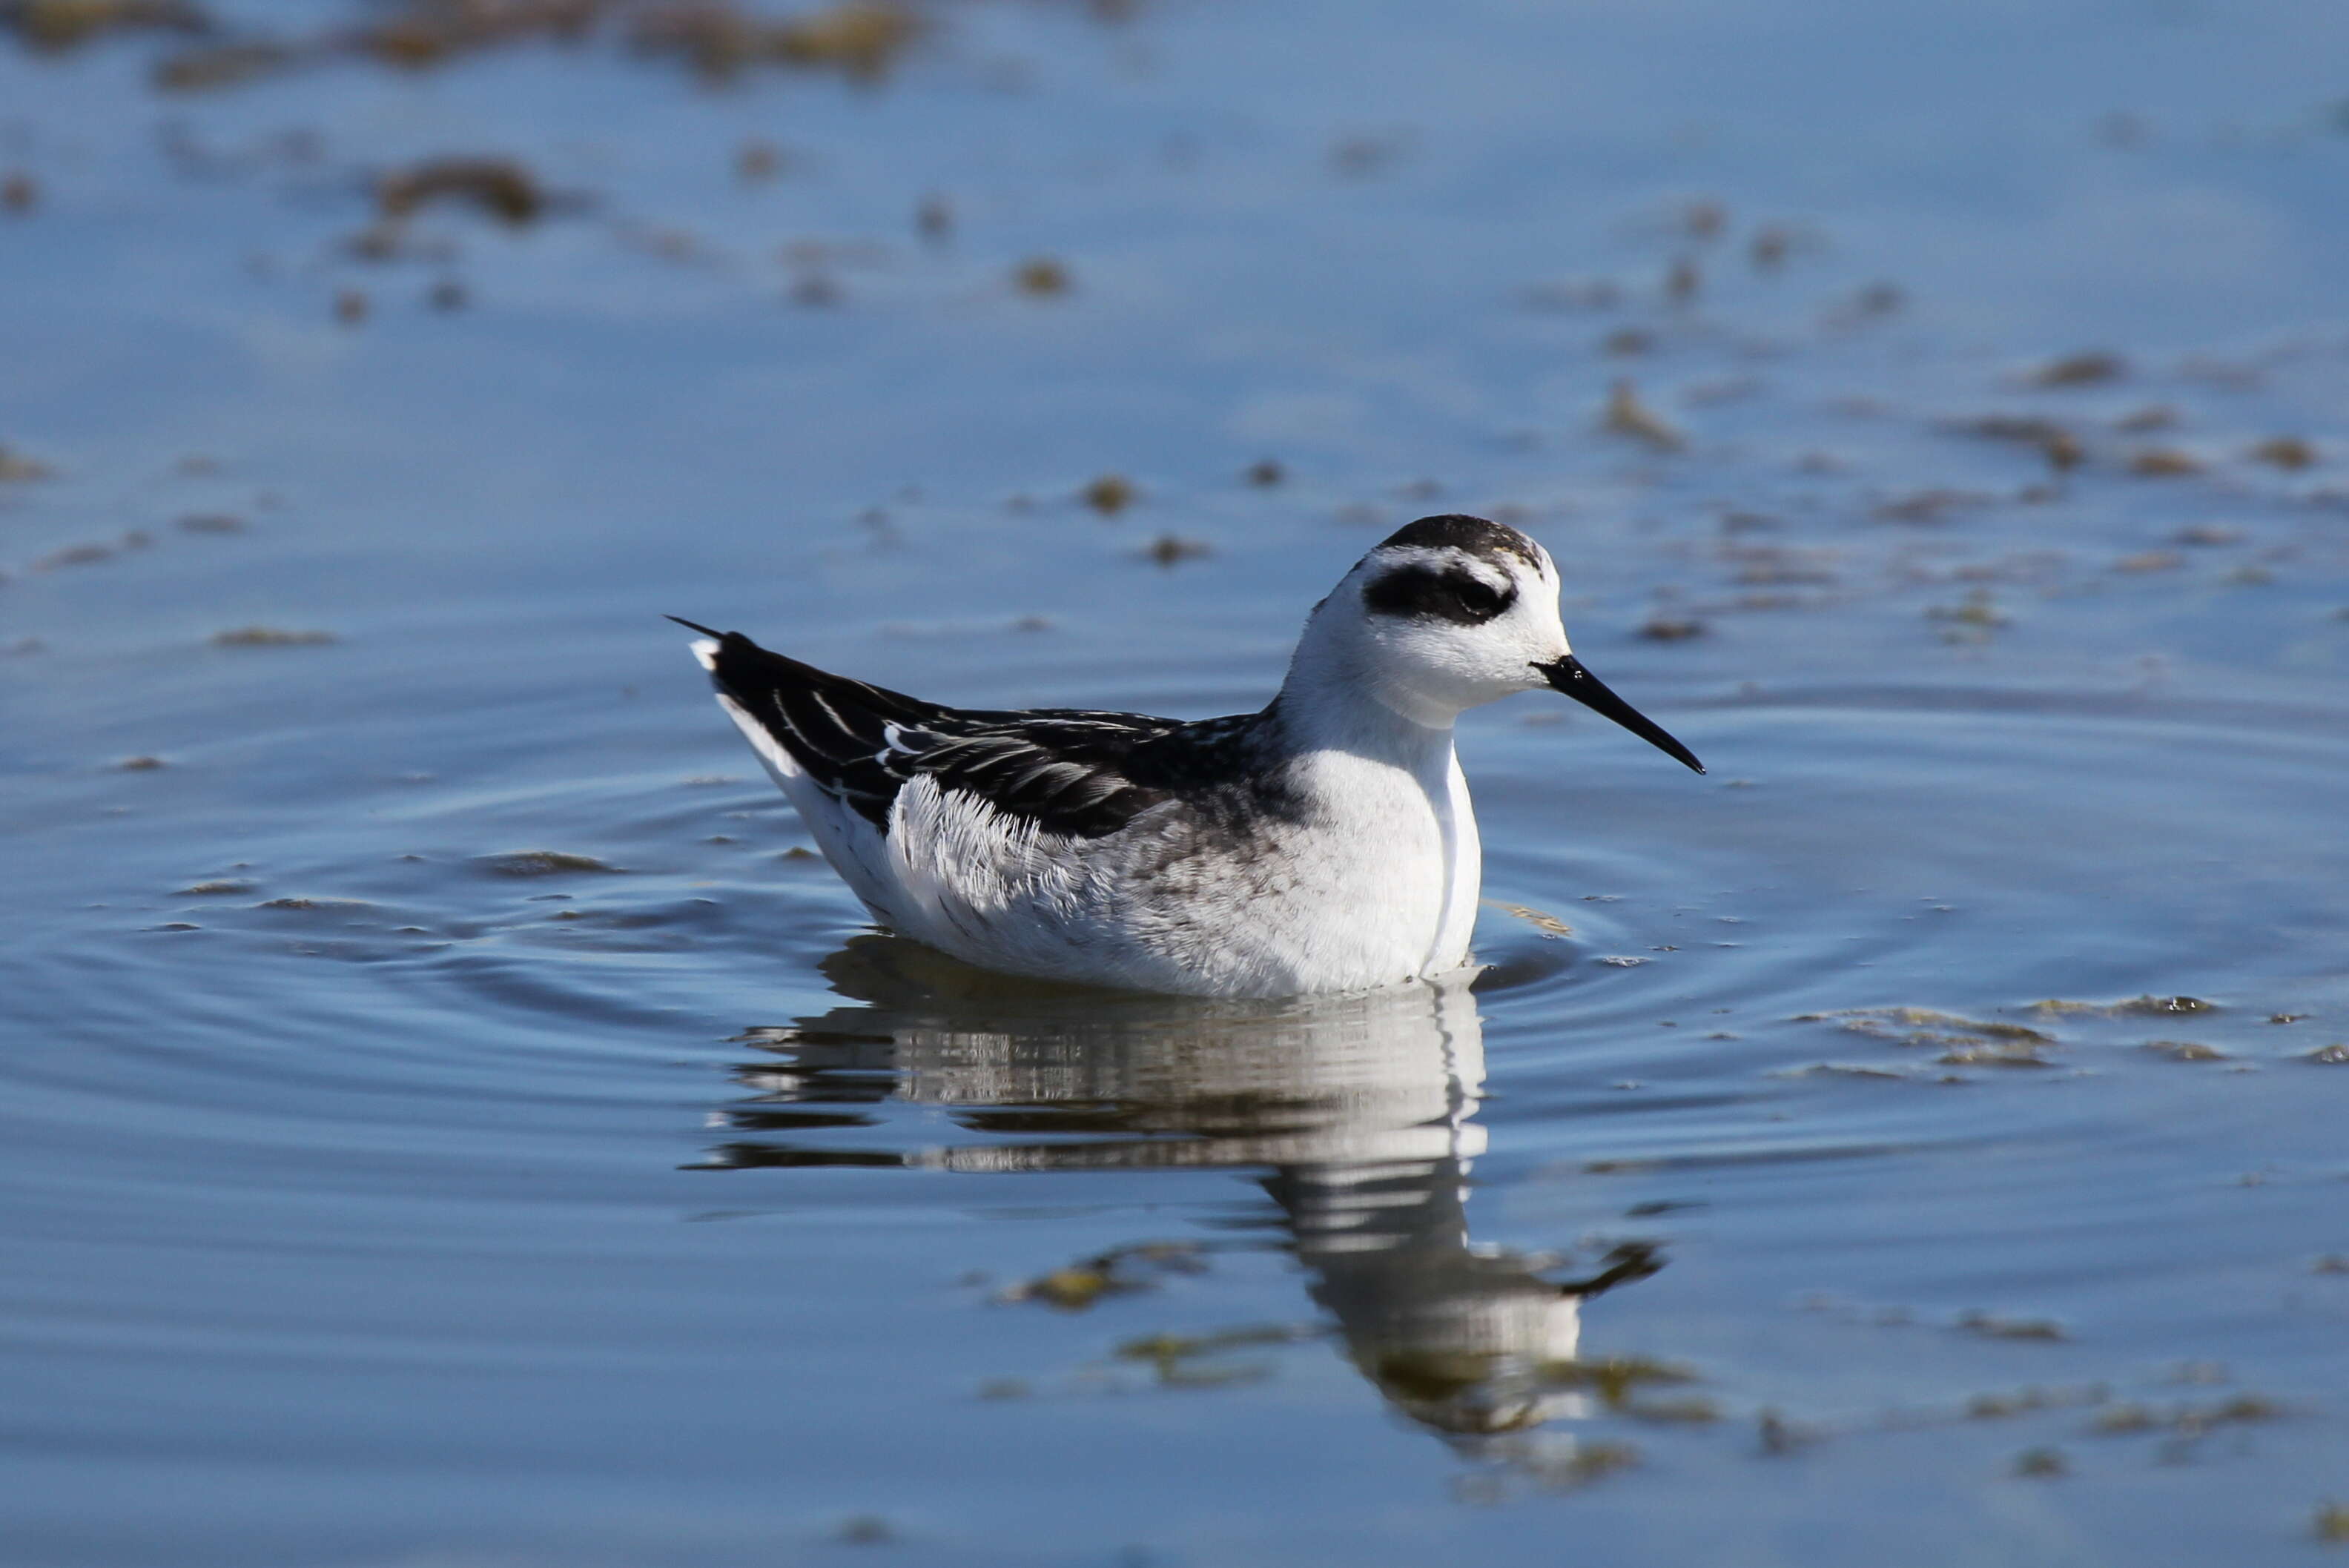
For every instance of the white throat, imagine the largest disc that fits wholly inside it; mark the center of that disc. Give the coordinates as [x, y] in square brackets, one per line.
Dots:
[1337, 696]
[1384, 753]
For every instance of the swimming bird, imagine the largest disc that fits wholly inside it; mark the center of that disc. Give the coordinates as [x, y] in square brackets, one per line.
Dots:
[1323, 844]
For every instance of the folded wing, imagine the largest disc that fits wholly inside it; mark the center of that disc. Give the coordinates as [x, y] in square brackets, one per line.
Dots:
[1082, 774]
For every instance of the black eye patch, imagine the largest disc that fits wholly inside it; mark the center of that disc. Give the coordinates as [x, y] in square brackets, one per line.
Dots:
[1452, 595]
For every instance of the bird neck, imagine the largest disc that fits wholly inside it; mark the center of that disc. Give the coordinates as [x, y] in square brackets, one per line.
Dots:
[1333, 701]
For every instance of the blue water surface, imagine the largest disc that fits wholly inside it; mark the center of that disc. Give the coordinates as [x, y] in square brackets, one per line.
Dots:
[449, 1117]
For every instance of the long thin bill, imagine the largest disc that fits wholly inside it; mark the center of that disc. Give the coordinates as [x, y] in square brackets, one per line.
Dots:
[1569, 677]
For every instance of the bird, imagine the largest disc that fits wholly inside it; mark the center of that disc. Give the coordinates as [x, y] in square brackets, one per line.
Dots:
[1323, 844]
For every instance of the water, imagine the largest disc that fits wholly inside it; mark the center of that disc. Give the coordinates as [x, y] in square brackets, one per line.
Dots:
[519, 1152]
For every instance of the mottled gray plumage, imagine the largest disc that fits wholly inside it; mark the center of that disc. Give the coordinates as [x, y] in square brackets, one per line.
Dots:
[1325, 843]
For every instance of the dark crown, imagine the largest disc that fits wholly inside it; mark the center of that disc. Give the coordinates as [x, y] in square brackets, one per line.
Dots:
[1475, 535]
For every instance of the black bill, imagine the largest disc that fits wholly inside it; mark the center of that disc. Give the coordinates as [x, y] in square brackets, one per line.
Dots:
[1569, 677]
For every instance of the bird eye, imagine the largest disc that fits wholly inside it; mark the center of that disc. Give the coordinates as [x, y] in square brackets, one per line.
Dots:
[1476, 597]
[1417, 590]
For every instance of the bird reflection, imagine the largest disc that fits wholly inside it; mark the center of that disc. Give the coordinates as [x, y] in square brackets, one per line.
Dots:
[1360, 1108]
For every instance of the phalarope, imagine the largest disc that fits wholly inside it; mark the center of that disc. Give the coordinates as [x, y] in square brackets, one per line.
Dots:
[1323, 844]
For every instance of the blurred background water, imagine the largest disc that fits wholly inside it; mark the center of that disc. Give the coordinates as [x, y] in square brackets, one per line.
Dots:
[449, 1117]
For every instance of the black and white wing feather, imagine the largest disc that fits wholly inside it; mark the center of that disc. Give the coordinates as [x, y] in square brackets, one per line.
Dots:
[1082, 774]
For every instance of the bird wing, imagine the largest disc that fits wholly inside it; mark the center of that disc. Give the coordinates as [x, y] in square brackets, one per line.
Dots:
[1068, 771]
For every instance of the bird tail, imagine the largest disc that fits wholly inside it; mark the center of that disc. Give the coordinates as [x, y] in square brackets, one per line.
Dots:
[706, 652]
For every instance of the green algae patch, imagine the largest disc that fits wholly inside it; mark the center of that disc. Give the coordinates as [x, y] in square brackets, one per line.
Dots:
[269, 637]
[2091, 368]
[2161, 1006]
[1173, 549]
[1110, 494]
[1042, 277]
[866, 1529]
[1551, 928]
[1962, 1041]
[54, 27]
[1992, 1325]
[499, 188]
[1120, 1272]
[2187, 1052]
[2148, 1007]
[543, 863]
[1616, 1379]
[1193, 1361]
[17, 469]
[2000, 1054]
[1629, 416]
